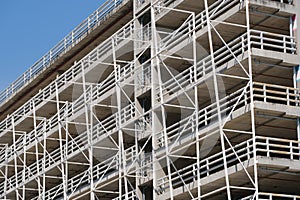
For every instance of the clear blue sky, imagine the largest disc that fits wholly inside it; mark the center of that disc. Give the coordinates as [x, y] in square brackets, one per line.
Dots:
[29, 28]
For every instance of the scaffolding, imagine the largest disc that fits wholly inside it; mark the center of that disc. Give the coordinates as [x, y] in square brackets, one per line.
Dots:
[191, 99]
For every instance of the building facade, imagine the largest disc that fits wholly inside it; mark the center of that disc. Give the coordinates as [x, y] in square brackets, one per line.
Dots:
[160, 99]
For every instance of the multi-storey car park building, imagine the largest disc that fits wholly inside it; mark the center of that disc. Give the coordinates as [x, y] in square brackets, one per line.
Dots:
[161, 99]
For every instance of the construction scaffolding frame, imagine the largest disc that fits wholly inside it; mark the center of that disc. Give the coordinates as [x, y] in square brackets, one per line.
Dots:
[188, 100]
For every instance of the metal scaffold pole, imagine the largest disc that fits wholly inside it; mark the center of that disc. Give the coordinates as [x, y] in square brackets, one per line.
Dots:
[198, 153]
[162, 107]
[62, 167]
[153, 101]
[216, 91]
[252, 111]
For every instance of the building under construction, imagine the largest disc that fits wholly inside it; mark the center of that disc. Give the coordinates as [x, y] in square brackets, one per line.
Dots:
[160, 99]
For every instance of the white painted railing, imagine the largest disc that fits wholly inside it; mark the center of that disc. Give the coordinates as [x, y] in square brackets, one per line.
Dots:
[84, 65]
[262, 92]
[130, 196]
[272, 196]
[130, 154]
[67, 111]
[144, 75]
[285, 1]
[100, 171]
[206, 116]
[276, 94]
[74, 72]
[125, 71]
[272, 41]
[265, 146]
[181, 81]
[71, 149]
[140, 3]
[185, 30]
[61, 48]
[144, 35]
[145, 164]
[127, 113]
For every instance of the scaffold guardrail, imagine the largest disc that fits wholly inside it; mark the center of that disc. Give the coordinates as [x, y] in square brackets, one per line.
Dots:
[130, 196]
[272, 196]
[259, 39]
[60, 48]
[69, 75]
[264, 146]
[107, 86]
[262, 91]
[101, 171]
[72, 148]
[84, 65]
[53, 121]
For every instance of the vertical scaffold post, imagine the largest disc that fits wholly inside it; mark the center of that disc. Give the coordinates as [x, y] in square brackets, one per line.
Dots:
[153, 101]
[216, 90]
[63, 173]
[251, 97]
[162, 107]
